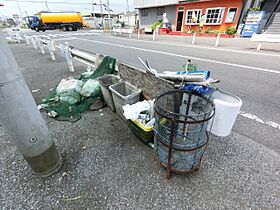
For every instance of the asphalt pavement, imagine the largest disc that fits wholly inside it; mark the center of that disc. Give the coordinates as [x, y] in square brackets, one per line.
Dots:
[251, 75]
[113, 170]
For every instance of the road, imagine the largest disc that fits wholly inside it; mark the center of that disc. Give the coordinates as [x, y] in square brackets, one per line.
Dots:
[106, 166]
[253, 76]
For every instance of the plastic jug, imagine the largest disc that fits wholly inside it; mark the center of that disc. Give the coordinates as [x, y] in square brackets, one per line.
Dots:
[227, 107]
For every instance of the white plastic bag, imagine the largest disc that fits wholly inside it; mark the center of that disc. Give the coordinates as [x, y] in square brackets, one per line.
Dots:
[90, 88]
[133, 111]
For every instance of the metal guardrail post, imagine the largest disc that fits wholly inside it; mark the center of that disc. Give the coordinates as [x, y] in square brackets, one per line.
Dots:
[22, 119]
[27, 39]
[51, 47]
[68, 57]
[41, 45]
[33, 39]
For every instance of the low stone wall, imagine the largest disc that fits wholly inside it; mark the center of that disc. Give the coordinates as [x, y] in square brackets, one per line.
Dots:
[150, 85]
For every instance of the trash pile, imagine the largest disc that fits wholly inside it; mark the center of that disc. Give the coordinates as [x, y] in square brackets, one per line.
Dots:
[74, 96]
[176, 123]
[187, 74]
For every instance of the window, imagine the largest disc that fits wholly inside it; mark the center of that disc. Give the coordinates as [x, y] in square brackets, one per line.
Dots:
[160, 11]
[181, 9]
[231, 15]
[193, 17]
[214, 16]
[144, 12]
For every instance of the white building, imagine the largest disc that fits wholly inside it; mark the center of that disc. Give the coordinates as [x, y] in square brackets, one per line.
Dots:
[129, 19]
[151, 11]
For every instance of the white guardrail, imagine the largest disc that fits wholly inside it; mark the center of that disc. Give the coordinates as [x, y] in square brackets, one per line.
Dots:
[272, 38]
[14, 36]
[42, 42]
[70, 53]
[121, 31]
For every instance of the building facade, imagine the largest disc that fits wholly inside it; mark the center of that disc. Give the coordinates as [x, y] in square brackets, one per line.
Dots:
[129, 19]
[207, 14]
[196, 15]
[151, 11]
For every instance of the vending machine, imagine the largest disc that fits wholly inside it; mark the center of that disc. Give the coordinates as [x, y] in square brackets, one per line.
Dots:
[253, 23]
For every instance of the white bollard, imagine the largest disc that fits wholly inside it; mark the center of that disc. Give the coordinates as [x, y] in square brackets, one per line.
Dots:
[259, 46]
[138, 35]
[154, 35]
[218, 40]
[18, 37]
[27, 40]
[33, 38]
[193, 38]
[51, 47]
[40, 45]
[69, 57]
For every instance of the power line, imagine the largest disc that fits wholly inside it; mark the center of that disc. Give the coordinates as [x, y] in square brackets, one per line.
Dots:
[62, 2]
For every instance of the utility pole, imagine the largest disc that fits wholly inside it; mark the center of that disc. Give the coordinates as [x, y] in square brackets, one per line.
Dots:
[21, 118]
[127, 11]
[92, 8]
[47, 5]
[101, 10]
[109, 14]
[19, 8]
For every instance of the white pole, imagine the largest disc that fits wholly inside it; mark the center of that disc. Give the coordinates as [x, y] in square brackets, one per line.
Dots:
[33, 38]
[21, 118]
[51, 47]
[27, 39]
[218, 40]
[69, 57]
[40, 45]
[193, 38]
[259, 46]
[154, 35]
[138, 35]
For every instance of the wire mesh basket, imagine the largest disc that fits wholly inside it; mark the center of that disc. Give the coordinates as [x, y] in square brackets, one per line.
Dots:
[181, 134]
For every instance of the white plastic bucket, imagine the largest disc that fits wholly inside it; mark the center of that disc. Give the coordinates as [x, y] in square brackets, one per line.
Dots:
[227, 107]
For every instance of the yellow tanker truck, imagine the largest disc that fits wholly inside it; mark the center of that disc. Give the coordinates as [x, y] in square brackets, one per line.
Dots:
[66, 21]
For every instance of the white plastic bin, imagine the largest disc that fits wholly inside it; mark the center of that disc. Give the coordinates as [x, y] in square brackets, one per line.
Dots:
[105, 82]
[227, 107]
[124, 93]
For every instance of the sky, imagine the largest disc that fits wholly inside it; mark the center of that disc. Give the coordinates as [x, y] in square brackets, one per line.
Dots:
[31, 7]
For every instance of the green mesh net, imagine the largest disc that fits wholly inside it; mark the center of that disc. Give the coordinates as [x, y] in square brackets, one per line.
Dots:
[72, 112]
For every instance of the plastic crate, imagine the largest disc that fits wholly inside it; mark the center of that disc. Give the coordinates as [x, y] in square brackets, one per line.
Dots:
[143, 133]
[124, 93]
[105, 82]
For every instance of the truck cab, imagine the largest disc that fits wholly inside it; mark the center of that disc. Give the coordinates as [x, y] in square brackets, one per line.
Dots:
[37, 24]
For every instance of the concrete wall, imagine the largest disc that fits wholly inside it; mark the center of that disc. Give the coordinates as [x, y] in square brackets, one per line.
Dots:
[153, 3]
[150, 85]
[152, 17]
